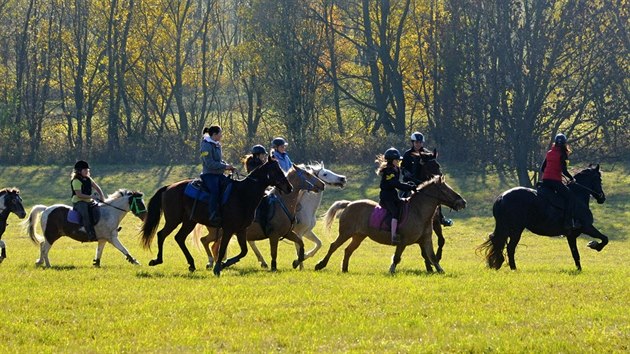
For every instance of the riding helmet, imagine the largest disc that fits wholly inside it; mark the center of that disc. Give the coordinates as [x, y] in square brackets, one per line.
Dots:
[279, 142]
[417, 136]
[392, 154]
[80, 165]
[259, 149]
[560, 139]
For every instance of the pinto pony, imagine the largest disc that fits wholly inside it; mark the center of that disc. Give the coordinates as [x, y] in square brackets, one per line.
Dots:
[238, 213]
[10, 202]
[522, 208]
[354, 223]
[54, 223]
[282, 222]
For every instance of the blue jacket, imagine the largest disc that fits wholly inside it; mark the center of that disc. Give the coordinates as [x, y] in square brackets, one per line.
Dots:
[283, 160]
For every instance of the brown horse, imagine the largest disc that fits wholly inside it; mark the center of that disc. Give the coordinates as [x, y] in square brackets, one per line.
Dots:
[238, 212]
[354, 222]
[282, 222]
[10, 202]
[54, 223]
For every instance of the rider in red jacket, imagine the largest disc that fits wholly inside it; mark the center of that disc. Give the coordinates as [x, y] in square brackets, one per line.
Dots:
[554, 166]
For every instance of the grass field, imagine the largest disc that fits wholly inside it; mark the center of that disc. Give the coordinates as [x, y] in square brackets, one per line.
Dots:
[545, 306]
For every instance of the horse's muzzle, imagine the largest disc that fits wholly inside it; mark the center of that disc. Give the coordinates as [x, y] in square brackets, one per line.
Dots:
[459, 204]
[601, 198]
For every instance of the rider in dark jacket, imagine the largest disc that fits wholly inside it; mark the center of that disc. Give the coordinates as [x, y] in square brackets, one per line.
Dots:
[256, 158]
[390, 182]
[213, 170]
[412, 167]
[82, 185]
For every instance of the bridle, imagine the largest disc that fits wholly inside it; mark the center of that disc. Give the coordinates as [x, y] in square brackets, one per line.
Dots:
[134, 205]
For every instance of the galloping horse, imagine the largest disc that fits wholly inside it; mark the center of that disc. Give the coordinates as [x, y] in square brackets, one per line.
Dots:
[10, 202]
[305, 218]
[282, 222]
[522, 208]
[238, 212]
[354, 222]
[54, 223]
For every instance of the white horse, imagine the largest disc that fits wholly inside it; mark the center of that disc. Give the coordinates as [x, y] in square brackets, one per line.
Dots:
[54, 224]
[308, 202]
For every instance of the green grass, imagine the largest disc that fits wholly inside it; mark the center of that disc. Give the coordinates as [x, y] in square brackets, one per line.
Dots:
[545, 306]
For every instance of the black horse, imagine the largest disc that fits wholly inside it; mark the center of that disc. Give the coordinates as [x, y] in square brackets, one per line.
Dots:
[238, 213]
[10, 202]
[523, 208]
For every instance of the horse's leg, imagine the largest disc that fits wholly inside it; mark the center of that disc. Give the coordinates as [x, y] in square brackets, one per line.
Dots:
[593, 232]
[3, 253]
[161, 236]
[213, 235]
[180, 237]
[437, 228]
[397, 257]
[341, 239]
[259, 255]
[225, 240]
[99, 252]
[45, 248]
[427, 245]
[273, 251]
[119, 246]
[354, 244]
[427, 262]
[515, 237]
[310, 235]
[241, 236]
[299, 245]
[572, 241]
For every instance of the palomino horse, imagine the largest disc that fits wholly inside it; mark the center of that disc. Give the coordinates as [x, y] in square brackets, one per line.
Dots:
[305, 218]
[283, 220]
[54, 223]
[10, 202]
[354, 222]
[521, 208]
[238, 212]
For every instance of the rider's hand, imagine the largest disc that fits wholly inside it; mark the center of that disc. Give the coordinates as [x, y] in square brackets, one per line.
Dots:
[229, 167]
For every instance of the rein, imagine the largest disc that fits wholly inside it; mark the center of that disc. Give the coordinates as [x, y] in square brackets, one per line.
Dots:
[595, 194]
[133, 206]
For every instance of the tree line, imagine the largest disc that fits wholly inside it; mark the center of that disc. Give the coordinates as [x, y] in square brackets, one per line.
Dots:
[488, 82]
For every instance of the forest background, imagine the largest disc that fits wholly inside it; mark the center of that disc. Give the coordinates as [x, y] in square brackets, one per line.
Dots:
[488, 82]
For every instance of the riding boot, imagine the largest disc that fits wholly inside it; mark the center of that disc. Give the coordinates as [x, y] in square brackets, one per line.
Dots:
[214, 214]
[91, 232]
[443, 220]
[395, 237]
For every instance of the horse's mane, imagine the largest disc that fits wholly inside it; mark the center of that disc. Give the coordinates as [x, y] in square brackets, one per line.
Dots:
[311, 166]
[3, 191]
[118, 194]
[433, 180]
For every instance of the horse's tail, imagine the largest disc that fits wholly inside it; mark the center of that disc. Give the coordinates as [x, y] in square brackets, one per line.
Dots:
[494, 246]
[28, 225]
[332, 211]
[152, 220]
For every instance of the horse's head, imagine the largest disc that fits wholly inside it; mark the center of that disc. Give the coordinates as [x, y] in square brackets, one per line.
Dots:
[10, 199]
[328, 176]
[304, 180]
[430, 166]
[134, 201]
[440, 190]
[590, 178]
[271, 173]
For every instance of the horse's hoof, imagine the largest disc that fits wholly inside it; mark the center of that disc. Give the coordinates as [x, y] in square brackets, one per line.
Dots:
[296, 264]
[392, 269]
[594, 245]
[96, 263]
[319, 266]
[154, 262]
[192, 269]
[209, 265]
[264, 265]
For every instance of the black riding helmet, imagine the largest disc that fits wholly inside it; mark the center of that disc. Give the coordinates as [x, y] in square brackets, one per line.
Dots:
[278, 142]
[560, 139]
[417, 136]
[392, 154]
[80, 165]
[258, 149]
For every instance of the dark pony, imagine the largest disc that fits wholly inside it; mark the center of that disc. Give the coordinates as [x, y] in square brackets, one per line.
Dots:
[10, 202]
[238, 213]
[521, 208]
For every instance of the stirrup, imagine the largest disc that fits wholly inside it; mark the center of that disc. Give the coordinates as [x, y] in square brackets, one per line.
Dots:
[446, 222]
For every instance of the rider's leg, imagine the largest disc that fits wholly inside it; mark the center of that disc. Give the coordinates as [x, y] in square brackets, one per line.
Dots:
[212, 183]
[82, 208]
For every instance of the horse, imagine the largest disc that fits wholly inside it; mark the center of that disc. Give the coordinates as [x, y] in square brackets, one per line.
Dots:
[522, 208]
[238, 213]
[354, 222]
[283, 218]
[54, 223]
[305, 218]
[10, 202]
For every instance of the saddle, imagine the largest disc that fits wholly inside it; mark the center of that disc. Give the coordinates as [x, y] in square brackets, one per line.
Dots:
[95, 215]
[381, 219]
[197, 190]
[549, 197]
[265, 211]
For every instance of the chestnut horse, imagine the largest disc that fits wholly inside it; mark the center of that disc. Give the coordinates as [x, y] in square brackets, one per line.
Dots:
[54, 223]
[282, 222]
[354, 223]
[10, 202]
[521, 208]
[238, 212]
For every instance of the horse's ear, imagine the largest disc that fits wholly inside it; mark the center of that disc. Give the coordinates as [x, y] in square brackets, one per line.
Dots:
[269, 158]
[442, 179]
[321, 163]
[435, 154]
[597, 168]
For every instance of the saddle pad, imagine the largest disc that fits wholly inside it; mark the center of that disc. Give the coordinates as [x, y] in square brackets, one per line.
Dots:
[381, 220]
[74, 217]
[194, 191]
